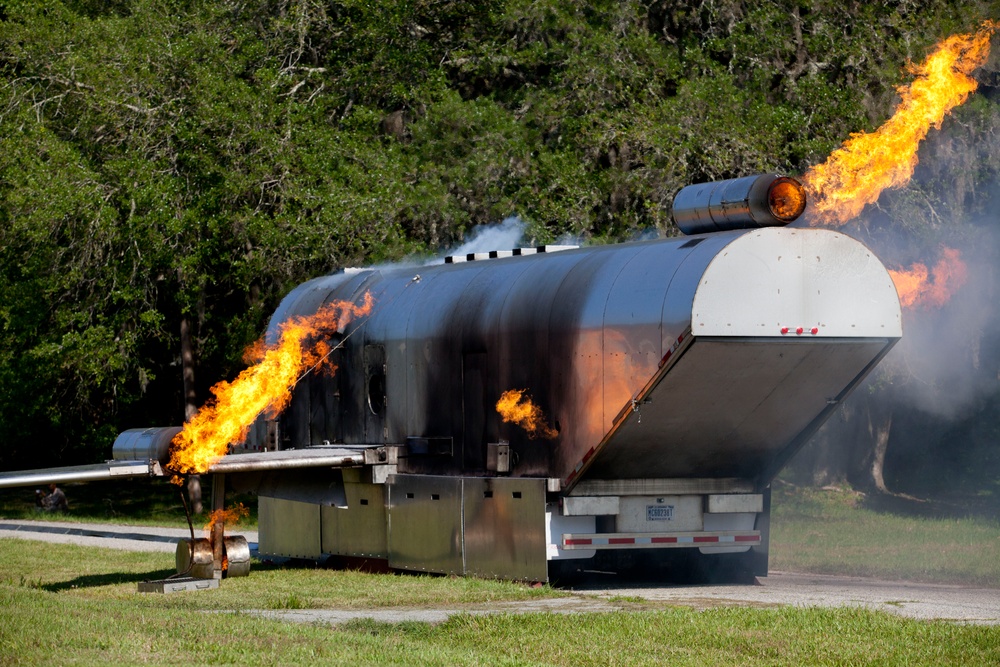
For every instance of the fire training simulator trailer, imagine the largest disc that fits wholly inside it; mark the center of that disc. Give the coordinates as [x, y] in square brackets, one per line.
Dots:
[676, 376]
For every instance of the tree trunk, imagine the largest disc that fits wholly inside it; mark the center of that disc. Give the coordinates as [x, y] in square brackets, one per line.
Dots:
[879, 425]
[872, 418]
[190, 407]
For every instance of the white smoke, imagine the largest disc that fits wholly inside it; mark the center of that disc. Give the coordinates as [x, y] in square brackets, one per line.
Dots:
[506, 235]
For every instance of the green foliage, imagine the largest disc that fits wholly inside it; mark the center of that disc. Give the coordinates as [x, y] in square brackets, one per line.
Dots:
[197, 158]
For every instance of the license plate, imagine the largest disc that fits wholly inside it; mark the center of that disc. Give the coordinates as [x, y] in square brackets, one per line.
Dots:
[659, 512]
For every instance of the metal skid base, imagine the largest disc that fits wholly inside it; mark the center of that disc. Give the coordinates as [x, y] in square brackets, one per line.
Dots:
[177, 585]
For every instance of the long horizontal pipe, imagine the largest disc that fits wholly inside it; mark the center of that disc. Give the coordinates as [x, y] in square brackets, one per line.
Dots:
[234, 463]
[87, 473]
[251, 463]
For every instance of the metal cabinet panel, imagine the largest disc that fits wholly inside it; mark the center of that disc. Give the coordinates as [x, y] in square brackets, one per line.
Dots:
[425, 524]
[289, 528]
[359, 528]
[505, 528]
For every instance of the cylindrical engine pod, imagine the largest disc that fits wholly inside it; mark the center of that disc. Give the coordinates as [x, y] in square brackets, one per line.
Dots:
[766, 200]
[144, 444]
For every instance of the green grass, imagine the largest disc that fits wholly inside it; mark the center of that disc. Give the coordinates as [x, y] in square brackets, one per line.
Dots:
[63, 604]
[45, 620]
[832, 532]
[112, 575]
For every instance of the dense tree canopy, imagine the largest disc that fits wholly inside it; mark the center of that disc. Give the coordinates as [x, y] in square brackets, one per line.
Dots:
[192, 160]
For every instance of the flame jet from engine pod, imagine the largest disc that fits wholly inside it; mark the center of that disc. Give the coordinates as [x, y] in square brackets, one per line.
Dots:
[855, 174]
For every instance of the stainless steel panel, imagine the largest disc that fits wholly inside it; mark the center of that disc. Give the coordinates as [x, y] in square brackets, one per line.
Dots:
[425, 524]
[288, 528]
[505, 528]
[728, 407]
[360, 528]
[316, 486]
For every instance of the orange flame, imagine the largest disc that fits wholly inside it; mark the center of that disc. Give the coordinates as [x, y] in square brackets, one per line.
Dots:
[265, 387]
[856, 173]
[229, 516]
[515, 407]
[931, 289]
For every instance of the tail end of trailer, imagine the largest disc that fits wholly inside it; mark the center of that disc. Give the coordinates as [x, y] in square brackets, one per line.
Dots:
[784, 324]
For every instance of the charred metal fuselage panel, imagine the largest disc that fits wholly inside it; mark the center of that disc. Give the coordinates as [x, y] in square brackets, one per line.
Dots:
[708, 357]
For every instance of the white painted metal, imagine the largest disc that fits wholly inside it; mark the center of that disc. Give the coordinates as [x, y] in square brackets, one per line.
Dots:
[556, 525]
[747, 502]
[786, 277]
[590, 506]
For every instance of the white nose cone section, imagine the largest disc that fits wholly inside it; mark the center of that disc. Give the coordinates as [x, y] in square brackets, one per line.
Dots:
[799, 283]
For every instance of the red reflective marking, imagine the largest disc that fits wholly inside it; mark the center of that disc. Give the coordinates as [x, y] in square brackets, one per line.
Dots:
[588, 454]
[579, 541]
[706, 538]
[799, 330]
[784, 330]
[747, 538]
[814, 331]
[664, 540]
[621, 540]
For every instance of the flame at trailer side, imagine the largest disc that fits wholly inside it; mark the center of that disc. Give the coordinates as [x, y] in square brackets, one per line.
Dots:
[264, 388]
[855, 174]
[920, 287]
[227, 516]
[515, 407]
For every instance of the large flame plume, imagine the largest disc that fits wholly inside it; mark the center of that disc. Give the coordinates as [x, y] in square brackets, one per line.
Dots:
[920, 287]
[265, 387]
[856, 173]
[515, 407]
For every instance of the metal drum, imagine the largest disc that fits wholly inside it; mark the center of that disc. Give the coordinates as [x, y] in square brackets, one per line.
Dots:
[237, 556]
[194, 558]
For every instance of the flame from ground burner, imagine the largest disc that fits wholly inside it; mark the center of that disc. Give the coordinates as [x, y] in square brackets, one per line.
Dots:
[856, 173]
[931, 289]
[515, 407]
[265, 387]
[229, 516]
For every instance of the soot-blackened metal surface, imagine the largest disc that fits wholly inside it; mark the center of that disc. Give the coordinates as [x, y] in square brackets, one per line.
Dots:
[583, 332]
[579, 331]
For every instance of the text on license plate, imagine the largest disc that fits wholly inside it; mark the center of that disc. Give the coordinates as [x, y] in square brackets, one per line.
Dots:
[659, 512]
